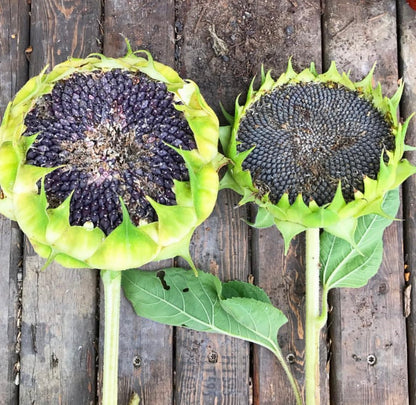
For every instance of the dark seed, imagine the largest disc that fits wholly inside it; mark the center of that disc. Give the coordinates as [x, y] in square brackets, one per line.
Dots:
[309, 137]
[108, 131]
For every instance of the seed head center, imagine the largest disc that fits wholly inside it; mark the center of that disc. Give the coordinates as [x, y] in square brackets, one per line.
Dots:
[108, 134]
[309, 137]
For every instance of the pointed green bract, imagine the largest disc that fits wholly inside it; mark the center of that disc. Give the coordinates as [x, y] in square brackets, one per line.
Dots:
[127, 246]
[338, 217]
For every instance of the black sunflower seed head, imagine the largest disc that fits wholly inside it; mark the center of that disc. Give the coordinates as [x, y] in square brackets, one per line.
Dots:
[110, 131]
[309, 137]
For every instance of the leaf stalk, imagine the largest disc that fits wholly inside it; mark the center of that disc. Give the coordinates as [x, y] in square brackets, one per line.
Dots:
[291, 378]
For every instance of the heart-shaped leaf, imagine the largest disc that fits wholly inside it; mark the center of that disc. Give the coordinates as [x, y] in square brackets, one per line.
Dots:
[344, 265]
[175, 296]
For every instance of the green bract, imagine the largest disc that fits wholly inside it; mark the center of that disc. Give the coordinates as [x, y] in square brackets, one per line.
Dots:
[127, 246]
[293, 214]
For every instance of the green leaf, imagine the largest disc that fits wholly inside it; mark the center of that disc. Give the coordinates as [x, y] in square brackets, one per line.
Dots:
[343, 265]
[174, 296]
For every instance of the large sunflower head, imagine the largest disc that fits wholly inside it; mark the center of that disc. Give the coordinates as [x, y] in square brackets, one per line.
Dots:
[109, 163]
[316, 150]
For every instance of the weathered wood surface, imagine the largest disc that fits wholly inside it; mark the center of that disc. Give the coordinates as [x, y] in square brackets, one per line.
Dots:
[59, 328]
[369, 321]
[296, 32]
[407, 63]
[60, 334]
[13, 73]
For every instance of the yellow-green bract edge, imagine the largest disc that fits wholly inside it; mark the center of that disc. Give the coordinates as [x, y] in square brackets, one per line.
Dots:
[338, 217]
[127, 246]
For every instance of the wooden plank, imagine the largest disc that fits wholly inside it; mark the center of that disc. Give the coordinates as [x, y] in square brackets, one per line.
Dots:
[212, 368]
[147, 24]
[59, 305]
[250, 32]
[296, 32]
[14, 39]
[407, 32]
[14, 31]
[145, 354]
[10, 287]
[368, 321]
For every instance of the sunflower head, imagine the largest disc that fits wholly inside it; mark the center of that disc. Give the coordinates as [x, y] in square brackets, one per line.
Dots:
[109, 163]
[315, 150]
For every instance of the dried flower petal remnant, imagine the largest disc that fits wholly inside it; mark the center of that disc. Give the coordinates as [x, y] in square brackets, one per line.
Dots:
[316, 151]
[109, 163]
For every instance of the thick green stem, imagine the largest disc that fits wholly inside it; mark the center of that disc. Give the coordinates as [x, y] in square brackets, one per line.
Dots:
[112, 285]
[313, 320]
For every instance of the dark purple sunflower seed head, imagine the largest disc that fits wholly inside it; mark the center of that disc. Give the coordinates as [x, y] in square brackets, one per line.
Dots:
[109, 131]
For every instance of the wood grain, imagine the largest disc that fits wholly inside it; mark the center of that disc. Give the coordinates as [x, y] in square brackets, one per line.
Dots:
[58, 334]
[14, 23]
[59, 305]
[145, 354]
[297, 33]
[10, 287]
[147, 24]
[407, 32]
[213, 368]
[368, 321]
[221, 45]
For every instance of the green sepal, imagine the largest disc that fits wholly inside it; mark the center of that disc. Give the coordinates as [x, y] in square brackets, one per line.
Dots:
[344, 229]
[338, 201]
[227, 115]
[298, 210]
[62, 237]
[320, 216]
[205, 184]
[46, 252]
[125, 247]
[9, 164]
[58, 221]
[366, 85]
[288, 230]
[224, 135]
[201, 119]
[31, 213]
[179, 248]
[4, 124]
[183, 193]
[229, 182]
[395, 101]
[31, 89]
[28, 176]
[264, 219]
[7, 208]
[172, 231]
[404, 170]
[203, 179]
[27, 142]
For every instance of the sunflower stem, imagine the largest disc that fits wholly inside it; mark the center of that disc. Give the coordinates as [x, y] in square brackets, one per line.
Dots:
[112, 285]
[313, 318]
